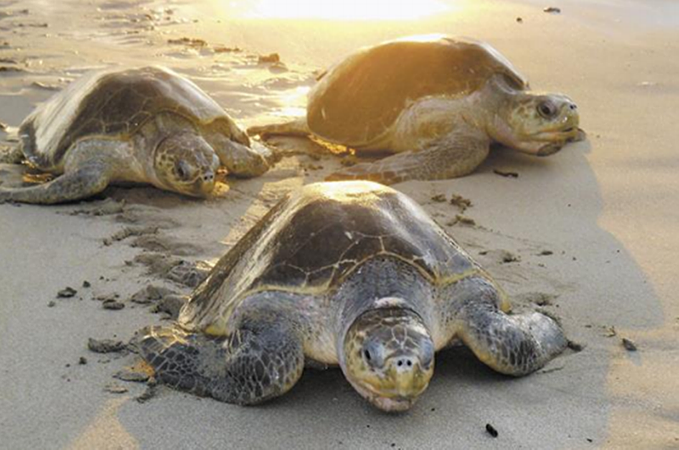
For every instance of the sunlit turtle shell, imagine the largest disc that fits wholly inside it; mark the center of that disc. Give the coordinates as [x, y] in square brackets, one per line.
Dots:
[111, 104]
[357, 101]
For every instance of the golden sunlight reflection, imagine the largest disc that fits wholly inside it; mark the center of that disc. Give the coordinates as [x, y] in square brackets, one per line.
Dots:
[340, 9]
[294, 102]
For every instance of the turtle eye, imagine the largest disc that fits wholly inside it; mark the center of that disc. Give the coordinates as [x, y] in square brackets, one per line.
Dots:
[373, 353]
[547, 109]
[183, 170]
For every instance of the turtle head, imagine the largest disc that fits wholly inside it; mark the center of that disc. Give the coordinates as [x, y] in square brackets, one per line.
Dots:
[388, 357]
[186, 163]
[537, 124]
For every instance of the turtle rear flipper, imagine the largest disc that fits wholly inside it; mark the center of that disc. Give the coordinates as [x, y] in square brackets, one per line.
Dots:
[296, 127]
[247, 367]
[454, 156]
[81, 183]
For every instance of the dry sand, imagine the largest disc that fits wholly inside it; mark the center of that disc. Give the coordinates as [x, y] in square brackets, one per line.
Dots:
[607, 209]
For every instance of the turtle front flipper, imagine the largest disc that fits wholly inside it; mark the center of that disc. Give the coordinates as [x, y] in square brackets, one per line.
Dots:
[513, 344]
[452, 157]
[251, 365]
[243, 161]
[78, 184]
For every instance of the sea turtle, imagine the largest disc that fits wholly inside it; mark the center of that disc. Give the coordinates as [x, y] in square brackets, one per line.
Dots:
[437, 102]
[148, 125]
[351, 273]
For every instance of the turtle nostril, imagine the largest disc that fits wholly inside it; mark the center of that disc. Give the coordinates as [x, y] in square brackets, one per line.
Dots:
[404, 362]
[573, 106]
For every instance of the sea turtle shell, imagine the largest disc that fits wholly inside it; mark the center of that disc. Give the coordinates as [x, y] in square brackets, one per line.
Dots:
[112, 104]
[316, 237]
[357, 100]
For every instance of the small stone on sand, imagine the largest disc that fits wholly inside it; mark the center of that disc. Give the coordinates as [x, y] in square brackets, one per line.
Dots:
[575, 346]
[112, 304]
[270, 58]
[552, 9]
[629, 345]
[67, 292]
[150, 294]
[115, 388]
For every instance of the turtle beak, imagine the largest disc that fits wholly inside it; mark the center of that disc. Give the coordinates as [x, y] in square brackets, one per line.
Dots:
[408, 378]
[581, 136]
[549, 149]
[206, 184]
[575, 135]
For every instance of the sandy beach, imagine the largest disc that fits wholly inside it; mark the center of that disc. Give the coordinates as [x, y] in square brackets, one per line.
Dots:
[588, 234]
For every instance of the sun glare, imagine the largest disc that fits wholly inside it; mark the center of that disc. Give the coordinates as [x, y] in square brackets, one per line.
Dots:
[341, 9]
[294, 102]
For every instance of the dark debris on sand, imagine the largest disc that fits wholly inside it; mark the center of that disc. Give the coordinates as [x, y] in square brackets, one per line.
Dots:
[491, 430]
[184, 272]
[105, 345]
[115, 388]
[575, 346]
[112, 304]
[455, 200]
[506, 174]
[538, 298]
[270, 58]
[11, 69]
[552, 10]
[190, 42]
[460, 202]
[462, 220]
[151, 294]
[438, 198]
[67, 292]
[128, 232]
[629, 345]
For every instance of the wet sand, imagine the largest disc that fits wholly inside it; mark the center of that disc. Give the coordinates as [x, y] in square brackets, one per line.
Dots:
[590, 231]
